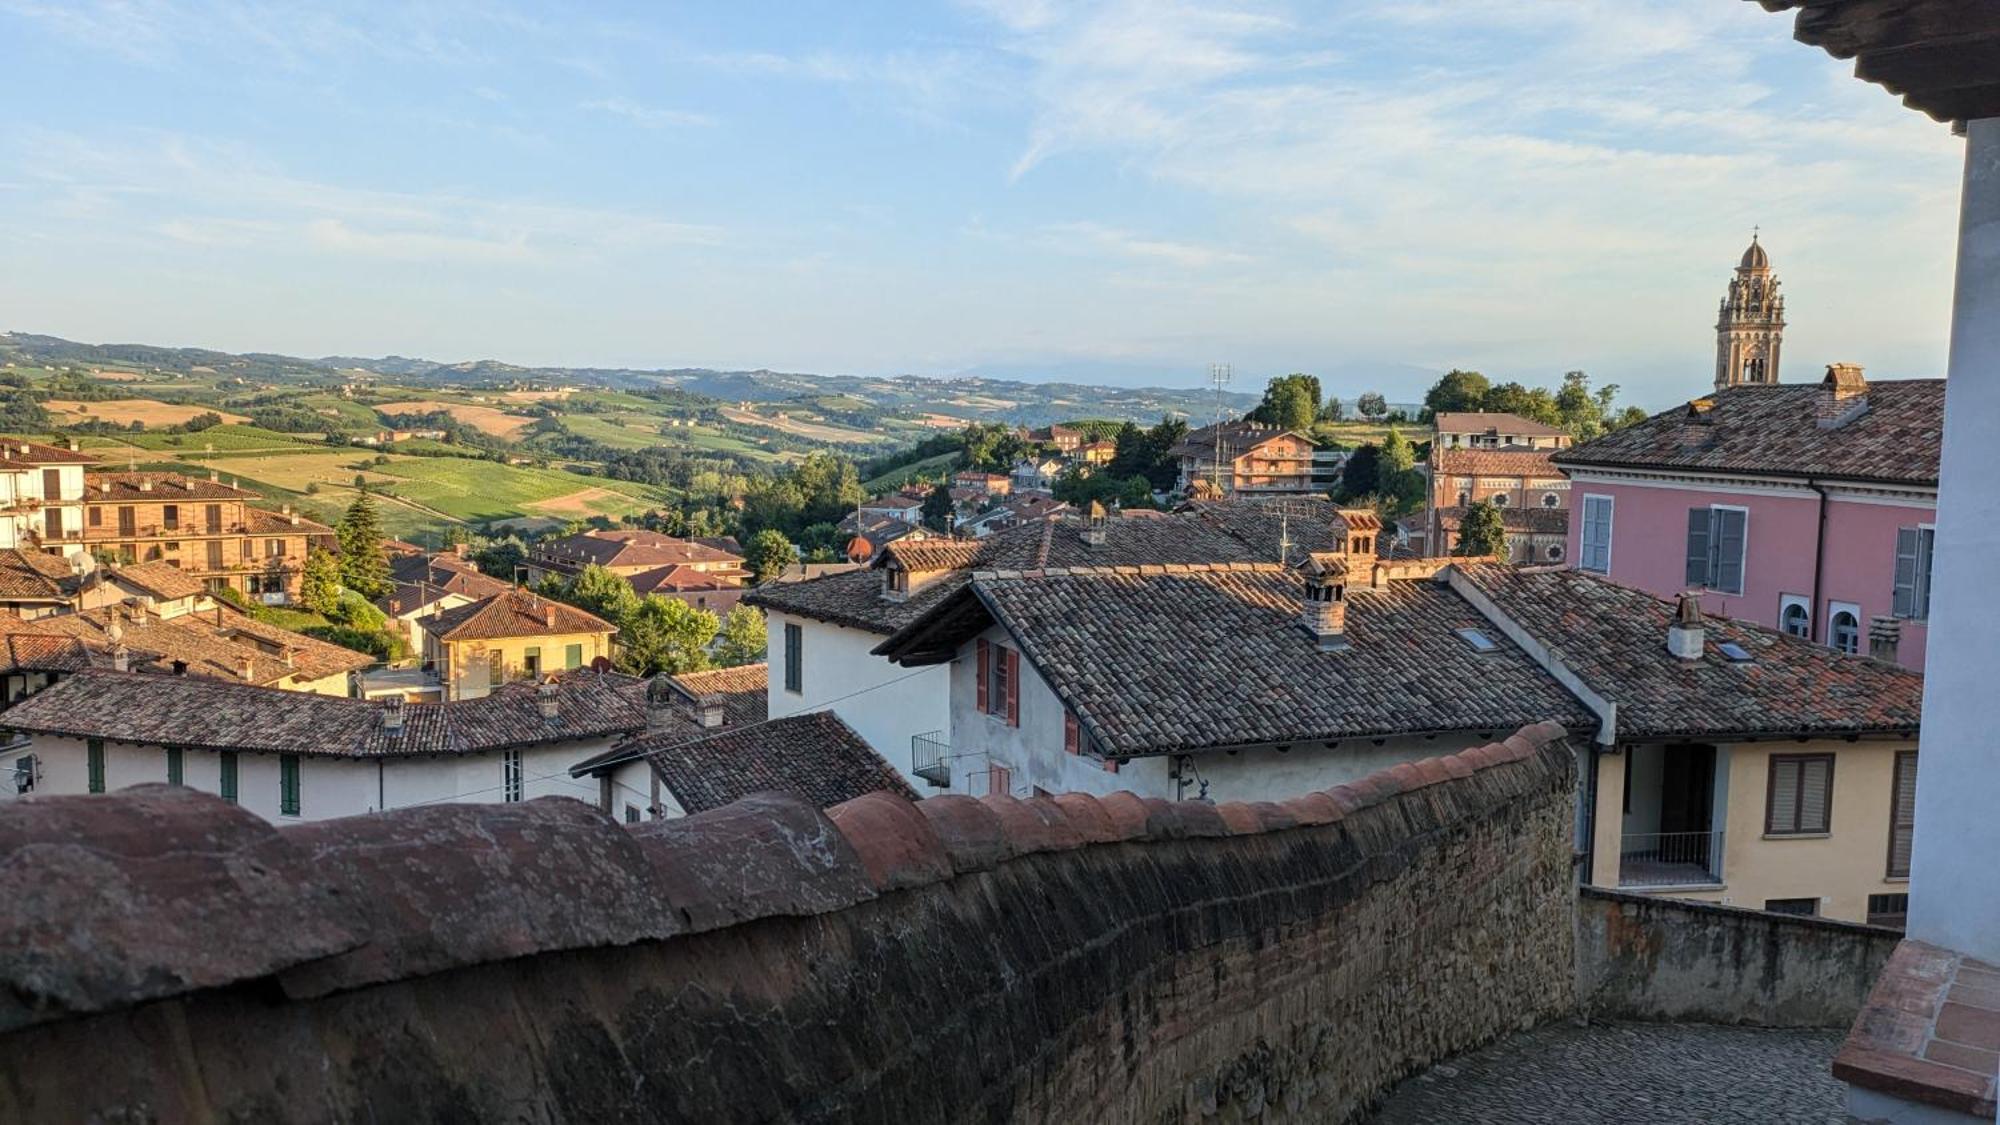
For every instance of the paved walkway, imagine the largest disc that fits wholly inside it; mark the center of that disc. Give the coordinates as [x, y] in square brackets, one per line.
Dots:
[1630, 1073]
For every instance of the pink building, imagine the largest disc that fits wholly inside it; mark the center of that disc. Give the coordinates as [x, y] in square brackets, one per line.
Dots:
[1806, 507]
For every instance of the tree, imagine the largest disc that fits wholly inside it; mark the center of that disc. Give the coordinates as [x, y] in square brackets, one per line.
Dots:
[742, 638]
[1455, 392]
[500, 558]
[1361, 475]
[1536, 405]
[937, 508]
[319, 584]
[1332, 411]
[1290, 402]
[598, 590]
[363, 568]
[1481, 531]
[1398, 481]
[664, 635]
[1371, 405]
[768, 554]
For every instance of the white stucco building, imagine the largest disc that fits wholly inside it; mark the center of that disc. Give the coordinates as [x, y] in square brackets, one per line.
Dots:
[41, 497]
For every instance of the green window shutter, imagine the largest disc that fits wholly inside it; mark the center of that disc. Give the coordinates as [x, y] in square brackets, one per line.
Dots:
[229, 776]
[573, 656]
[288, 784]
[175, 765]
[94, 753]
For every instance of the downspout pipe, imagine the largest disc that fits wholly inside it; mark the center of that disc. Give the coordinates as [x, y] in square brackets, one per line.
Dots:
[1819, 564]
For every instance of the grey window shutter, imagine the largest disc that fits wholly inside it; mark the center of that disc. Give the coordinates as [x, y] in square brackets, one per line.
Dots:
[1697, 558]
[1904, 604]
[1728, 535]
[1926, 539]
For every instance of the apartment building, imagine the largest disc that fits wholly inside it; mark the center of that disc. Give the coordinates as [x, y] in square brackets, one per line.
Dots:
[1806, 507]
[41, 497]
[1495, 430]
[202, 526]
[1531, 493]
[1249, 458]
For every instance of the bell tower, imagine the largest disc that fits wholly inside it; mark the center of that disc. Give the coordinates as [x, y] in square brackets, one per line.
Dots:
[1751, 325]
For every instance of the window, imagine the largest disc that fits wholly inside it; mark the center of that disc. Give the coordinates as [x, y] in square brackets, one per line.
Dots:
[573, 656]
[212, 518]
[1596, 542]
[1902, 813]
[1913, 572]
[1843, 628]
[128, 520]
[229, 776]
[511, 774]
[175, 765]
[274, 548]
[1799, 800]
[1498, 499]
[795, 666]
[999, 682]
[496, 668]
[1804, 907]
[170, 516]
[1556, 553]
[531, 661]
[249, 550]
[288, 785]
[1716, 542]
[97, 517]
[1794, 616]
[631, 814]
[215, 554]
[1889, 910]
[52, 522]
[51, 484]
[1550, 500]
[1464, 498]
[94, 755]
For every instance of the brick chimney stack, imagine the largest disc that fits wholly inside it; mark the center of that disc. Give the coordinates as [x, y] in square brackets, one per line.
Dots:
[1843, 396]
[548, 700]
[392, 715]
[1324, 607]
[245, 668]
[1885, 635]
[1686, 637]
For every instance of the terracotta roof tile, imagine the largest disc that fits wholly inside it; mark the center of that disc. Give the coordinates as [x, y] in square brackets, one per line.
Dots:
[1495, 463]
[814, 755]
[36, 576]
[108, 487]
[512, 613]
[161, 579]
[213, 642]
[36, 453]
[1498, 422]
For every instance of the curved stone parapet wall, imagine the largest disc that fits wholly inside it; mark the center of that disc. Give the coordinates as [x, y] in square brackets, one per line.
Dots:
[169, 957]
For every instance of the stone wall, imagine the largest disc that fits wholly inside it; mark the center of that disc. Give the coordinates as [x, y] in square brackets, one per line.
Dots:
[167, 956]
[1643, 957]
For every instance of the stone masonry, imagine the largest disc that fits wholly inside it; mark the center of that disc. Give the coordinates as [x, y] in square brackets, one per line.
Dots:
[167, 956]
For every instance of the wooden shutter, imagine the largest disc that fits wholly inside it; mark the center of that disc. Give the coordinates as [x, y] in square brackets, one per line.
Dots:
[1815, 794]
[1013, 686]
[1070, 733]
[1926, 540]
[1781, 808]
[1902, 814]
[1801, 795]
[1728, 535]
[985, 674]
[1697, 547]
[1904, 603]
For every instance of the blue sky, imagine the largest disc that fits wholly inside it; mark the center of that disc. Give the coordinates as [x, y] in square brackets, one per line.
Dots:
[1119, 191]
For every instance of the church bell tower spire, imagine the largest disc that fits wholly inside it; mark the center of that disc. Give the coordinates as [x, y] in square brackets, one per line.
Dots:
[1751, 325]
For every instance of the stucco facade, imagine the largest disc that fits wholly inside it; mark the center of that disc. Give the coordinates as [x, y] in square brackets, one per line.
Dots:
[886, 704]
[1848, 568]
[467, 668]
[41, 505]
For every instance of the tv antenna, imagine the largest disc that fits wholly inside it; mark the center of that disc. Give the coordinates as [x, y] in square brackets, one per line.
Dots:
[1218, 374]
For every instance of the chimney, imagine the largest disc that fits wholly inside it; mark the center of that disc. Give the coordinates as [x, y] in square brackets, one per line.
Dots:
[660, 698]
[121, 659]
[549, 615]
[548, 700]
[1884, 635]
[1843, 396]
[214, 477]
[1685, 636]
[709, 711]
[1093, 531]
[244, 668]
[1324, 610]
[392, 715]
[145, 484]
[74, 445]
[180, 667]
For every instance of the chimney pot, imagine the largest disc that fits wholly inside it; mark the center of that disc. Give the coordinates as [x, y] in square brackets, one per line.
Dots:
[1686, 637]
[1885, 635]
[244, 668]
[548, 701]
[121, 659]
[1324, 607]
[1843, 396]
[709, 710]
[392, 715]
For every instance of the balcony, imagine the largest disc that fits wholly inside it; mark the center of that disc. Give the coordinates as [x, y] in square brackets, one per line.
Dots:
[930, 758]
[1670, 859]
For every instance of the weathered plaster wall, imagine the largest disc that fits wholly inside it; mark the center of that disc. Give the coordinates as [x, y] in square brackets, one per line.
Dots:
[1077, 958]
[1641, 957]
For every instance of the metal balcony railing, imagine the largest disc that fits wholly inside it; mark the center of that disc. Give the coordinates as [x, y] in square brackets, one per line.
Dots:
[1670, 859]
[930, 758]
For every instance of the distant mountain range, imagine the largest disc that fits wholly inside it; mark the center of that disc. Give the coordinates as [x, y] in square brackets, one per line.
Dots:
[968, 396]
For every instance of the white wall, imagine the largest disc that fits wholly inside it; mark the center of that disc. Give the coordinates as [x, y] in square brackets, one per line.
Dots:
[1034, 751]
[884, 702]
[328, 787]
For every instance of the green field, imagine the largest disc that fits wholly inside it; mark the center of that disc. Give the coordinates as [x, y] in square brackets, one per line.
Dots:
[222, 438]
[897, 478]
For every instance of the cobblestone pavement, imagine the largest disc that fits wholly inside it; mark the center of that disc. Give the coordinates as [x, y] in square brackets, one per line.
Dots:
[1629, 1073]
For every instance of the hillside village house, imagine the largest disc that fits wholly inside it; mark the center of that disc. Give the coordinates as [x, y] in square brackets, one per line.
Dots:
[288, 756]
[428, 583]
[41, 497]
[1095, 679]
[1036, 472]
[986, 484]
[202, 526]
[514, 635]
[1496, 430]
[1247, 457]
[1531, 493]
[1806, 507]
[645, 557]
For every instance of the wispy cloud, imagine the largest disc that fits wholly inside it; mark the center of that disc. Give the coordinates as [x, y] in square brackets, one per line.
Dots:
[651, 117]
[1100, 240]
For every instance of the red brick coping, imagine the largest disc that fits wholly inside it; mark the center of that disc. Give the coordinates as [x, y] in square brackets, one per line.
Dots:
[1930, 1032]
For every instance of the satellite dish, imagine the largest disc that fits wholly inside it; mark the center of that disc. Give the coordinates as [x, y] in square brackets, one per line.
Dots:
[601, 664]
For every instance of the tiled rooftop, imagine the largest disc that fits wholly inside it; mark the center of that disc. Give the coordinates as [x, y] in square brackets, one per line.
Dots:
[814, 755]
[36, 576]
[512, 613]
[161, 579]
[1772, 431]
[1495, 463]
[35, 453]
[164, 488]
[630, 549]
[213, 642]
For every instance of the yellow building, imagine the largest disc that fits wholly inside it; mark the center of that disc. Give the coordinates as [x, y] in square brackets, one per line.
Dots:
[515, 635]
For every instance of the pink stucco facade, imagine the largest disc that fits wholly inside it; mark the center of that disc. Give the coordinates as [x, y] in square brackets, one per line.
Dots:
[1856, 569]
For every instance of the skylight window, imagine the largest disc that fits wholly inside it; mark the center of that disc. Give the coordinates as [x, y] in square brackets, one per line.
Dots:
[1733, 652]
[1479, 641]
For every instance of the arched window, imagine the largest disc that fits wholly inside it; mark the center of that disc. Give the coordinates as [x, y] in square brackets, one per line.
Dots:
[1499, 499]
[1550, 500]
[1556, 553]
[1795, 620]
[1464, 497]
[1846, 632]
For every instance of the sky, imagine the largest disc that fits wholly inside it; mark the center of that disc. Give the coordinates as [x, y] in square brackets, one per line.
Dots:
[1369, 190]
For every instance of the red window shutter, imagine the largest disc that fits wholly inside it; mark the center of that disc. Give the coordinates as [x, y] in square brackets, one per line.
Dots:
[985, 671]
[1013, 687]
[1069, 733]
[1110, 765]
